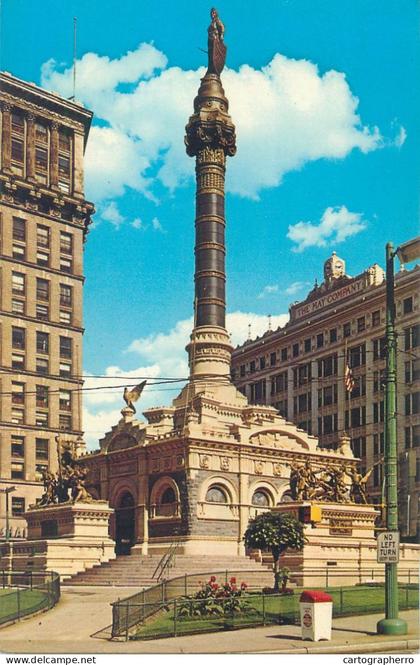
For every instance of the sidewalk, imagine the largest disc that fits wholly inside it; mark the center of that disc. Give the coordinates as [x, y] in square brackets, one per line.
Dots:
[83, 611]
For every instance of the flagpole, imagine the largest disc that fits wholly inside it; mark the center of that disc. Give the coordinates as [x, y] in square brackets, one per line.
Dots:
[347, 399]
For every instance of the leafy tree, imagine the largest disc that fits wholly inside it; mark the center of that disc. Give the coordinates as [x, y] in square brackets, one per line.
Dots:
[277, 532]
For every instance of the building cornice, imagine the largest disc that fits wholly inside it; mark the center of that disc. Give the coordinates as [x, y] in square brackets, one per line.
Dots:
[49, 105]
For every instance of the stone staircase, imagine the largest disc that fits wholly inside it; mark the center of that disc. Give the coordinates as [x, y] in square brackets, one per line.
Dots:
[137, 570]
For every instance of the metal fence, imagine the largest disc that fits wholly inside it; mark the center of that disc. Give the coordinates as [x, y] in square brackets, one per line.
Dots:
[186, 616]
[23, 593]
[137, 609]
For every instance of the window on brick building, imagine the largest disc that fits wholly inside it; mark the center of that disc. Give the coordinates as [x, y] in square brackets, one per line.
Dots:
[66, 243]
[64, 369]
[18, 361]
[19, 229]
[376, 318]
[333, 335]
[357, 355]
[41, 449]
[18, 393]
[412, 337]
[65, 400]
[42, 342]
[18, 506]
[64, 422]
[328, 366]
[18, 338]
[378, 443]
[42, 396]
[361, 324]
[358, 445]
[407, 305]
[378, 412]
[17, 470]
[42, 289]
[379, 348]
[18, 306]
[412, 404]
[42, 365]
[18, 446]
[43, 236]
[65, 295]
[18, 283]
[42, 312]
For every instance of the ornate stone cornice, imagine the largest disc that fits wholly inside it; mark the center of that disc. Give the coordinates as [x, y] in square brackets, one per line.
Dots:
[10, 102]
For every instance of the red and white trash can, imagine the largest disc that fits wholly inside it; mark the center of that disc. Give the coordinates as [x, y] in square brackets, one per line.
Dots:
[315, 615]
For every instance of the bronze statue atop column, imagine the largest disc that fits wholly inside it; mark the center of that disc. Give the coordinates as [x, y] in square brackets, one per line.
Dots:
[216, 46]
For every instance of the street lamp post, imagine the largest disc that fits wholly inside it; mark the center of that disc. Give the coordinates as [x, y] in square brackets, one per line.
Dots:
[392, 624]
[7, 491]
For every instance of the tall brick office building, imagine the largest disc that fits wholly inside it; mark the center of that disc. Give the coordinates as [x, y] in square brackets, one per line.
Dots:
[300, 368]
[43, 222]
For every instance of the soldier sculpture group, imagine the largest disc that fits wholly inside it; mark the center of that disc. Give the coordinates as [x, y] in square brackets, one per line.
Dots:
[69, 484]
[333, 483]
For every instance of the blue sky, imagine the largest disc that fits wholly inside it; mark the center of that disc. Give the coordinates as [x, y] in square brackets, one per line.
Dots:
[325, 98]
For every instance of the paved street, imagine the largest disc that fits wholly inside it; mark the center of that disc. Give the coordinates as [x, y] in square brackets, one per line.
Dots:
[82, 612]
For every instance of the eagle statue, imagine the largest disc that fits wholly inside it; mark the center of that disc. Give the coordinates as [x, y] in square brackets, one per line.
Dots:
[133, 395]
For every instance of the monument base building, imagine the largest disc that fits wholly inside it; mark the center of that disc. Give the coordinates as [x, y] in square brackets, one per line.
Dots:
[199, 470]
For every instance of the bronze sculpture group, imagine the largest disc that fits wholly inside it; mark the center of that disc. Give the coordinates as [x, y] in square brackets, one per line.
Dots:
[338, 484]
[69, 483]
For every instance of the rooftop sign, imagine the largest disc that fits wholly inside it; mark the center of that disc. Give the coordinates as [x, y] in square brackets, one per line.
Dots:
[353, 288]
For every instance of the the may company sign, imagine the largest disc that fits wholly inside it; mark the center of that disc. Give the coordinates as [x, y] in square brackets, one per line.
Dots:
[329, 299]
[388, 547]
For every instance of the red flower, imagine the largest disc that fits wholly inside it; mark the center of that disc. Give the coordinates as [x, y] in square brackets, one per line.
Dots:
[244, 586]
[215, 586]
[233, 580]
[212, 578]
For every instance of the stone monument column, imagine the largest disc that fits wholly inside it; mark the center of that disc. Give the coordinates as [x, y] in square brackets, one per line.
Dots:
[210, 137]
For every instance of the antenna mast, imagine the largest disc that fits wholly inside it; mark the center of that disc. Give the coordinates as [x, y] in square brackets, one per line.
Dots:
[74, 55]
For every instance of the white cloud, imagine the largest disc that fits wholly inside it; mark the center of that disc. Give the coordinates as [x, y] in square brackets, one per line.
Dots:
[295, 287]
[287, 114]
[111, 213]
[157, 226]
[336, 225]
[401, 137]
[138, 223]
[268, 290]
[161, 354]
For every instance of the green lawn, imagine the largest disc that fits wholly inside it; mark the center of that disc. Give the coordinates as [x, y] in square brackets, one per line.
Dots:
[29, 601]
[271, 609]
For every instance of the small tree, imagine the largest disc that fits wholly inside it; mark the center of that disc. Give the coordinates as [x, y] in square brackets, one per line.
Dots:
[277, 532]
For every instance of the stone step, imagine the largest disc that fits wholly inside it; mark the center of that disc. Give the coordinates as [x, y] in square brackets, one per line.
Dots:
[138, 569]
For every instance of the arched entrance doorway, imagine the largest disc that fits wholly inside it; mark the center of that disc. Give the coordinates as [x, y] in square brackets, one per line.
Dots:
[124, 524]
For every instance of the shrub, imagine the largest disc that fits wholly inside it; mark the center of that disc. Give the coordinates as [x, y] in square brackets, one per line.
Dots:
[213, 598]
